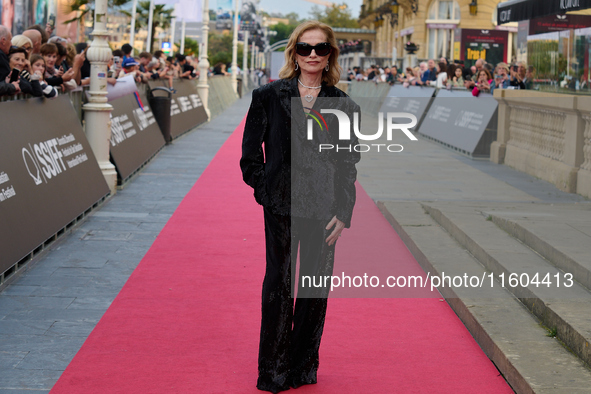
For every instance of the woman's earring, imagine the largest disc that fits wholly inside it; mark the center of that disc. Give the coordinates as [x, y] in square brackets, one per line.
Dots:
[297, 66]
[326, 68]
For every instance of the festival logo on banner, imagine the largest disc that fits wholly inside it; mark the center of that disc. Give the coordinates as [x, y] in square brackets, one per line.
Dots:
[45, 160]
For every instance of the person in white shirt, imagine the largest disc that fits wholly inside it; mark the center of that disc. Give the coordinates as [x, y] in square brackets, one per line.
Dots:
[441, 81]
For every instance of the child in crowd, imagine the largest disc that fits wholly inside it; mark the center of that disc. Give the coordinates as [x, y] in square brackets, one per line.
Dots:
[38, 68]
[172, 70]
[130, 67]
[458, 79]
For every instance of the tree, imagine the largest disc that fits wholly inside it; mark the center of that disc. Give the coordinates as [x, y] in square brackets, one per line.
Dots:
[283, 31]
[294, 18]
[191, 47]
[220, 49]
[338, 15]
[162, 18]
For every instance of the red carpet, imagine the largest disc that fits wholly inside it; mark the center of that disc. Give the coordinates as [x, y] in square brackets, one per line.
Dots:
[187, 320]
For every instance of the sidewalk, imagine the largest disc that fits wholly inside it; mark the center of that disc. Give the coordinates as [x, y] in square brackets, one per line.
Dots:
[47, 313]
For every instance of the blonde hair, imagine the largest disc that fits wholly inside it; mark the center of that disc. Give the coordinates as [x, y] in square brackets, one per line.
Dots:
[20, 41]
[503, 65]
[288, 71]
[71, 48]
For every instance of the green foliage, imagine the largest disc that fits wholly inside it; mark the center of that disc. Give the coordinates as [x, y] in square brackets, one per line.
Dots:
[220, 49]
[540, 54]
[283, 32]
[338, 15]
[191, 47]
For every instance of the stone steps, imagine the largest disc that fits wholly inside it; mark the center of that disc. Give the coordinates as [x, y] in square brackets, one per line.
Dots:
[456, 239]
[538, 231]
[566, 310]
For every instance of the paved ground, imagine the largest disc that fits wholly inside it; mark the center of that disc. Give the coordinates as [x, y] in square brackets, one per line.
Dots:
[426, 171]
[47, 313]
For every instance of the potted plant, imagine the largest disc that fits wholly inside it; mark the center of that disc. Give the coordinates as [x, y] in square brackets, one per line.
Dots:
[411, 47]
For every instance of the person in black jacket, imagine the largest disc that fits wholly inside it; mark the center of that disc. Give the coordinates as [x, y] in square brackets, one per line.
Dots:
[6, 87]
[307, 200]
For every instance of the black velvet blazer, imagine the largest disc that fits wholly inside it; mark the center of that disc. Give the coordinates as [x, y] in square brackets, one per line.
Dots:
[323, 183]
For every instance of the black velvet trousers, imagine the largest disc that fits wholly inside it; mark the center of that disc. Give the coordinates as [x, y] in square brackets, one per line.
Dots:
[290, 337]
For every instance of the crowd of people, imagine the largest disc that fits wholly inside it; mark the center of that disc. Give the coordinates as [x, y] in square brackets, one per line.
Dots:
[39, 64]
[482, 77]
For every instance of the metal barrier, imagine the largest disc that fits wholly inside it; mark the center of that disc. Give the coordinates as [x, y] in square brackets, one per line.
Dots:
[467, 124]
[371, 94]
[221, 94]
[77, 97]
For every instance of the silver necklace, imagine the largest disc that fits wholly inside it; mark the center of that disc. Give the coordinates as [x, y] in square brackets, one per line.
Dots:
[309, 97]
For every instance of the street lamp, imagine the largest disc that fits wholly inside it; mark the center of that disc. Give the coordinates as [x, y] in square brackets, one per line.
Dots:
[97, 112]
[394, 7]
[379, 21]
[473, 8]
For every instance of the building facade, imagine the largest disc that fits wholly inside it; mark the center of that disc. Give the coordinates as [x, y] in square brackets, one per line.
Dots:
[454, 29]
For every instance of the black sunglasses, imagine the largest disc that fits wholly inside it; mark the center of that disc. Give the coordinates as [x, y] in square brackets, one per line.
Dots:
[322, 49]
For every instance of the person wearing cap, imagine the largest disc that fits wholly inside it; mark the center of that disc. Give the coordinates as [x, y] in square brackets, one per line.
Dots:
[130, 67]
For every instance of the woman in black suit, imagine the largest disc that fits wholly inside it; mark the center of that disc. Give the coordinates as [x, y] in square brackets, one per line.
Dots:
[307, 197]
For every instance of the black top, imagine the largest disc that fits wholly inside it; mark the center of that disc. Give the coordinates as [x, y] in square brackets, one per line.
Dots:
[188, 67]
[292, 177]
[85, 69]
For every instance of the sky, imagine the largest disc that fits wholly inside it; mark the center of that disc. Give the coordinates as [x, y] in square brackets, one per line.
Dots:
[302, 7]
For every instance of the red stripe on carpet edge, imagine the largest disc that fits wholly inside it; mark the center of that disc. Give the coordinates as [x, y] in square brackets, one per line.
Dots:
[187, 320]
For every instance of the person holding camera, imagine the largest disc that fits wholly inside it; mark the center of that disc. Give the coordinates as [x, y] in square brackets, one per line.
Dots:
[29, 83]
[505, 78]
[483, 83]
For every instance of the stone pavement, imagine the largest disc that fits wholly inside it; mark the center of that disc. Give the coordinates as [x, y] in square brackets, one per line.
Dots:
[461, 216]
[47, 313]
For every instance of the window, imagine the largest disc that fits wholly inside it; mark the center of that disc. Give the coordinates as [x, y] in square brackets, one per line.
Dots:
[443, 16]
[444, 10]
